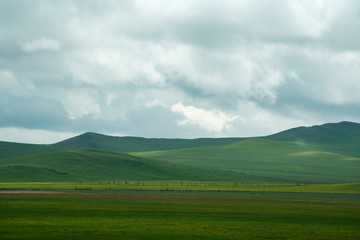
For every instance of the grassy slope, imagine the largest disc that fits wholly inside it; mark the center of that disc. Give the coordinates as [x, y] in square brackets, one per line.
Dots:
[267, 158]
[96, 141]
[342, 138]
[9, 149]
[98, 165]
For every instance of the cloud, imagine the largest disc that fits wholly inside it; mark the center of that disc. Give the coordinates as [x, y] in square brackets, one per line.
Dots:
[82, 102]
[8, 81]
[41, 44]
[211, 120]
[337, 81]
[31, 112]
[132, 63]
[140, 68]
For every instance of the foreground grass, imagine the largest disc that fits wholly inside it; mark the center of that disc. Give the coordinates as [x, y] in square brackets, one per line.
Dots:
[135, 210]
[180, 218]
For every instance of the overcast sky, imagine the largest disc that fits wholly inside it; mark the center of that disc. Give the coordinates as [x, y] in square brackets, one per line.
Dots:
[183, 68]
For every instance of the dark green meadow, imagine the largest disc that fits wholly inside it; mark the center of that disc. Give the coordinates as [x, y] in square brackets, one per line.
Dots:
[178, 214]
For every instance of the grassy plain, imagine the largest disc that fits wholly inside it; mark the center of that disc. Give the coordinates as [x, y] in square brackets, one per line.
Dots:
[166, 211]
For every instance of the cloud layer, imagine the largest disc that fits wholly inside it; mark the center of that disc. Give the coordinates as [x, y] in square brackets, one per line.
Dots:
[176, 69]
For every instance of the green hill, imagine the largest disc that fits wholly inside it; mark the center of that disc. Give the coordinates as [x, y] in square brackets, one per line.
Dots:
[343, 137]
[326, 133]
[269, 159]
[96, 141]
[328, 153]
[99, 165]
[9, 149]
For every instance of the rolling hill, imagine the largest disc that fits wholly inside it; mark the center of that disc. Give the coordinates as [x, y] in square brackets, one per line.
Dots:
[93, 165]
[266, 158]
[342, 138]
[9, 149]
[328, 153]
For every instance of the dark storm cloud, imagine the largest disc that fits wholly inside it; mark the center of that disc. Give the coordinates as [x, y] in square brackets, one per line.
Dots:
[31, 112]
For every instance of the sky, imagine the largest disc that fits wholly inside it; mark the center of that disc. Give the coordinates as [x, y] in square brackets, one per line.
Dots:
[176, 69]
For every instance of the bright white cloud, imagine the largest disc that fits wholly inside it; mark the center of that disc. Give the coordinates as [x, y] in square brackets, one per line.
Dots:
[41, 44]
[212, 120]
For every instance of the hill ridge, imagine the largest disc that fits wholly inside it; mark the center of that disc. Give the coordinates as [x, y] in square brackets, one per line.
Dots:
[95, 141]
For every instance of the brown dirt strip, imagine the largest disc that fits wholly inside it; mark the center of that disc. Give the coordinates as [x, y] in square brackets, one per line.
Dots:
[44, 194]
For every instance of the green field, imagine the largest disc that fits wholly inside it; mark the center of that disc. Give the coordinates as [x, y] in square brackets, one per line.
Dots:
[302, 183]
[209, 211]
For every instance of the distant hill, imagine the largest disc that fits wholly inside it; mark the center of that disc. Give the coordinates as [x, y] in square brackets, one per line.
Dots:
[328, 153]
[9, 149]
[329, 133]
[343, 137]
[100, 165]
[96, 141]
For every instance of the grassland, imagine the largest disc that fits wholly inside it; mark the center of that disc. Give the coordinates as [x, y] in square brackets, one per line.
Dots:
[91, 165]
[255, 188]
[342, 138]
[10, 149]
[283, 162]
[141, 211]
